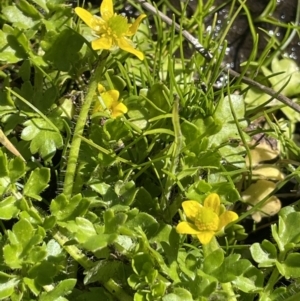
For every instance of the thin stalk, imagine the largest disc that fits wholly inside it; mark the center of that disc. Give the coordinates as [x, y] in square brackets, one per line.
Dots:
[116, 291]
[265, 295]
[81, 121]
[177, 148]
[73, 251]
[208, 56]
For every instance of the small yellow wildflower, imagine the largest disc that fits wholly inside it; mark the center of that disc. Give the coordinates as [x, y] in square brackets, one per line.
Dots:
[111, 101]
[112, 29]
[206, 220]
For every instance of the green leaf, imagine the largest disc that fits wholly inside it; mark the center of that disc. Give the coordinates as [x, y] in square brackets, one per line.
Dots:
[11, 254]
[288, 228]
[264, 254]
[3, 164]
[49, 222]
[205, 285]
[23, 231]
[64, 288]
[213, 261]
[64, 209]
[43, 138]
[43, 272]
[9, 208]
[64, 50]
[24, 71]
[37, 182]
[29, 10]
[17, 169]
[37, 254]
[116, 129]
[224, 115]
[7, 288]
[158, 97]
[158, 289]
[103, 271]
[169, 240]
[144, 221]
[245, 285]
[85, 229]
[126, 192]
[289, 73]
[179, 294]
[12, 50]
[291, 266]
[113, 221]
[145, 202]
[139, 261]
[53, 248]
[17, 17]
[96, 243]
[231, 268]
[137, 112]
[41, 99]
[107, 192]
[208, 126]
[42, 4]
[32, 285]
[195, 134]
[140, 296]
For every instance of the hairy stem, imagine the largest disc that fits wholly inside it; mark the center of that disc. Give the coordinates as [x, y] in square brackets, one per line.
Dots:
[75, 145]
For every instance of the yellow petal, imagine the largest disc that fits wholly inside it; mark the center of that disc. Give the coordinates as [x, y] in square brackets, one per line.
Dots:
[134, 26]
[84, 15]
[213, 202]
[106, 9]
[126, 45]
[119, 110]
[205, 236]
[100, 88]
[226, 218]
[102, 43]
[110, 97]
[186, 228]
[191, 209]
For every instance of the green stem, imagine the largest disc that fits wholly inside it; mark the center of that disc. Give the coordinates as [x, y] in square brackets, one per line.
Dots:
[73, 251]
[264, 296]
[116, 291]
[270, 285]
[81, 121]
[177, 148]
[227, 287]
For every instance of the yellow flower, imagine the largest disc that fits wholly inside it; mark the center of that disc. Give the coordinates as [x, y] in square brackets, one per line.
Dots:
[110, 99]
[112, 29]
[207, 220]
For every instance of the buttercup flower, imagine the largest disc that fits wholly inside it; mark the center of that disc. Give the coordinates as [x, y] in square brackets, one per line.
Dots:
[207, 220]
[111, 102]
[112, 29]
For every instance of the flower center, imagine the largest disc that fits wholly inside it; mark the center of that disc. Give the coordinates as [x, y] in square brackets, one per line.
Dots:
[207, 220]
[118, 25]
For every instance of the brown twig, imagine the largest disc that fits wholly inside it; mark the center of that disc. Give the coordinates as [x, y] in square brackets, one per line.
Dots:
[208, 56]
